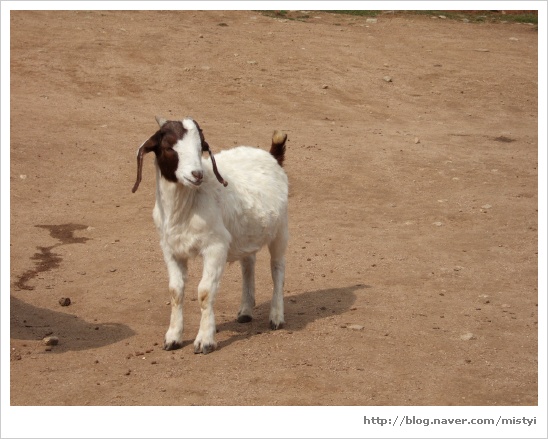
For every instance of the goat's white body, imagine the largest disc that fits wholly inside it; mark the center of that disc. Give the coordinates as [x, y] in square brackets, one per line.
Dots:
[223, 224]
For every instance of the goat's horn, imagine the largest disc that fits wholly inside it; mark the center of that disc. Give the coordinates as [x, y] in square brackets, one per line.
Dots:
[161, 120]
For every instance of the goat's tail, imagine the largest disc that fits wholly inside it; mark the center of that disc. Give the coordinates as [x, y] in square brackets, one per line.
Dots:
[278, 146]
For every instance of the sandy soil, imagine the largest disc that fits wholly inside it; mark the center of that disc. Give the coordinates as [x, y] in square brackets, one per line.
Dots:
[412, 265]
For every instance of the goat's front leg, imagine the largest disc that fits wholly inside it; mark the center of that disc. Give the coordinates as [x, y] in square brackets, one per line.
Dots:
[177, 270]
[214, 263]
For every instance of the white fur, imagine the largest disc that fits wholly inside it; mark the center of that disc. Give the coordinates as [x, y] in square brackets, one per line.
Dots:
[220, 224]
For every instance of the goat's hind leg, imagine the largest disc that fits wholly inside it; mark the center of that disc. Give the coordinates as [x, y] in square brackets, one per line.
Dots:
[245, 314]
[177, 270]
[277, 266]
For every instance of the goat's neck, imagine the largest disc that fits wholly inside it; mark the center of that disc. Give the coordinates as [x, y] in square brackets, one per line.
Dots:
[176, 199]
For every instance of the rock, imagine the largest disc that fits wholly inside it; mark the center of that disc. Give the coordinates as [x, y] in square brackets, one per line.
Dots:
[371, 20]
[51, 341]
[513, 39]
[481, 50]
[468, 336]
[417, 140]
[355, 327]
[486, 206]
[325, 86]
[64, 301]
[438, 223]
[387, 78]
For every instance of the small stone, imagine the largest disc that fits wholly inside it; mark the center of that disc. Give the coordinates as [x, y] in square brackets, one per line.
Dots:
[355, 327]
[371, 20]
[442, 16]
[64, 301]
[481, 50]
[51, 341]
[387, 78]
[468, 336]
[438, 223]
[417, 140]
[513, 39]
[22, 176]
[325, 86]
[486, 206]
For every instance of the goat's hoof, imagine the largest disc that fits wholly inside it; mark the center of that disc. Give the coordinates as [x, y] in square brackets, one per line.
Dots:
[205, 349]
[172, 345]
[275, 326]
[244, 319]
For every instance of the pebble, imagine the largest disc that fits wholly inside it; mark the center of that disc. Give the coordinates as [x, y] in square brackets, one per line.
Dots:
[468, 336]
[371, 20]
[438, 223]
[387, 78]
[355, 327]
[51, 341]
[486, 206]
[417, 140]
[481, 50]
[325, 86]
[64, 301]
[513, 39]
[22, 176]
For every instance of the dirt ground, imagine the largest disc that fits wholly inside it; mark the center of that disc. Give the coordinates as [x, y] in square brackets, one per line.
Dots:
[412, 159]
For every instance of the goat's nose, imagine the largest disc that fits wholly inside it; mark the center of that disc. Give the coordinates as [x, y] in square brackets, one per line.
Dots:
[198, 175]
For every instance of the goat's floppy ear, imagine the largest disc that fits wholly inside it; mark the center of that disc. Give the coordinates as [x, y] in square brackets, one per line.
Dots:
[205, 148]
[150, 145]
[161, 120]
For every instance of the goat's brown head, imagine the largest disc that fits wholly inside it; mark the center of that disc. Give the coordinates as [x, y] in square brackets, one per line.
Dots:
[178, 146]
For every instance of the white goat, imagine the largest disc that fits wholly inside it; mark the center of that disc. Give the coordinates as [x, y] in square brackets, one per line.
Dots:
[195, 215]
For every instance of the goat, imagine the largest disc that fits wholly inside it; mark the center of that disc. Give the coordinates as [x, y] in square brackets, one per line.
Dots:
[227, 222]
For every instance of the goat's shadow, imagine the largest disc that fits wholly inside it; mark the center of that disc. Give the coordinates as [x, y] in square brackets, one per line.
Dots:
[300, 310]
[28, 322]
